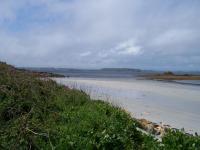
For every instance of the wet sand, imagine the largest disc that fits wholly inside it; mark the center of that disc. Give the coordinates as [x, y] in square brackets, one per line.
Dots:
[170, 103]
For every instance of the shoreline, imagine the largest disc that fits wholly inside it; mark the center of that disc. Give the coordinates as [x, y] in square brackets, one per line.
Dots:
[145, 104]
[157, 130]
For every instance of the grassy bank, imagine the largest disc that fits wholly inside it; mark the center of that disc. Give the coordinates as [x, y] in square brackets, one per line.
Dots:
[40, 114]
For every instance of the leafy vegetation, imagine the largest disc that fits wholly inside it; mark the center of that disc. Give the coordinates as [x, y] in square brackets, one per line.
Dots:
[40, 114]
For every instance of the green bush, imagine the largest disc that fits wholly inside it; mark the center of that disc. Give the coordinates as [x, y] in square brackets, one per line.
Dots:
[180, 141]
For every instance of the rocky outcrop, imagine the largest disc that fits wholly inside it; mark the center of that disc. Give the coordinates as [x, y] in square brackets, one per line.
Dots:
[153, 128]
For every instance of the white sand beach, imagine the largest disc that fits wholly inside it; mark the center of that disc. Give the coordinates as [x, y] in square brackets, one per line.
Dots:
[161, 102]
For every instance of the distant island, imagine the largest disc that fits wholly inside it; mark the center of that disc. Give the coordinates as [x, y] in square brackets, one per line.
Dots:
[172, 76]
[121, 69]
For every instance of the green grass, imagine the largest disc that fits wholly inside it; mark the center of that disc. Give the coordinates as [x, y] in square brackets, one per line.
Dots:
[40, 114]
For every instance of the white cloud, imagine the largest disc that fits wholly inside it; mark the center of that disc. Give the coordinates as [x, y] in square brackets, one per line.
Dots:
[128, 48]
[84, 54]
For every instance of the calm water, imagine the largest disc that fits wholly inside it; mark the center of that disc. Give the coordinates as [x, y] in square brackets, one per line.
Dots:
[175, 104]
[189, 82]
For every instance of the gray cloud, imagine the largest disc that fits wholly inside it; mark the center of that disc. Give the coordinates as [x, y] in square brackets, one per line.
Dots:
[150, 34]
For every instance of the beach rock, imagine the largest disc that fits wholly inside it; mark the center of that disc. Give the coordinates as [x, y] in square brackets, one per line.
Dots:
[153, 128]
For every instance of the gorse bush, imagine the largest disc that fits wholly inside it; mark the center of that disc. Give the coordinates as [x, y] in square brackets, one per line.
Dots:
[40, 114]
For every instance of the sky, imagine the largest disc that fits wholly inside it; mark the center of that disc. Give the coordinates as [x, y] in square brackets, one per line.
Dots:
[145, 34]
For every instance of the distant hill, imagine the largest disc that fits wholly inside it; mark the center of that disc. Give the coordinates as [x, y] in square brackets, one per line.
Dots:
[36, 73]
[121, 69]
[93, 73]
[103, 73]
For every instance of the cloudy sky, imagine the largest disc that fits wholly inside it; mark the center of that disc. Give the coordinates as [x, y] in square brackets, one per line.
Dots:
[147, 34]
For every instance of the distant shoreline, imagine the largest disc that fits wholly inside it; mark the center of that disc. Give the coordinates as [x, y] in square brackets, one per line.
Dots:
[171, 76]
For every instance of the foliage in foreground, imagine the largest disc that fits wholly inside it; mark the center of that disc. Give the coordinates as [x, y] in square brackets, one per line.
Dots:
[39, 114]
